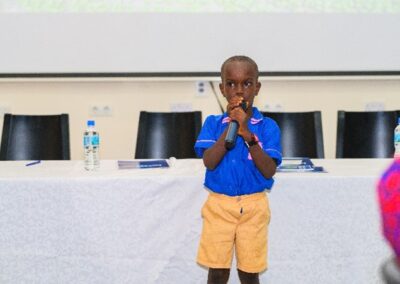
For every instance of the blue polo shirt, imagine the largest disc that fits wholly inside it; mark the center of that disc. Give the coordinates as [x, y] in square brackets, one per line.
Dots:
[237, 174]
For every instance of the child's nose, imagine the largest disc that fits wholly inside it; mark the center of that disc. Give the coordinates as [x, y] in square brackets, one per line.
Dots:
[239, 89]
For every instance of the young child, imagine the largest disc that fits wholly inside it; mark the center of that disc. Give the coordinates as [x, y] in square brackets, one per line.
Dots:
[236, 214]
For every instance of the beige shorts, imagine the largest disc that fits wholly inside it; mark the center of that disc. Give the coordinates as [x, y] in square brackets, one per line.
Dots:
[239, 222]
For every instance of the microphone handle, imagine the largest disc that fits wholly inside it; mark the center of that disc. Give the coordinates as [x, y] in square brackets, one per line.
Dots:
[231, 134]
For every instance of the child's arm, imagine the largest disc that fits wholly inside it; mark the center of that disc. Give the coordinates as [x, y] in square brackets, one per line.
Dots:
[213, 155]
[264, 163]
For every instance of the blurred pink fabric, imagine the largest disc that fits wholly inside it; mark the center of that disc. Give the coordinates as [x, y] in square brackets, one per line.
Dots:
[389, 200]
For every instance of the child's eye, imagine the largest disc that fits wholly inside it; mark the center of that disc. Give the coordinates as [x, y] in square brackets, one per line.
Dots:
[248, 84]
[231, 84]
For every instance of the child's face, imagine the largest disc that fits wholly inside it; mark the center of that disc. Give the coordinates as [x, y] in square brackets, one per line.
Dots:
[239, 78]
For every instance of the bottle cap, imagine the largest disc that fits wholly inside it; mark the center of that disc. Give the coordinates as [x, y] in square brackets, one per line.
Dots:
[90, 123]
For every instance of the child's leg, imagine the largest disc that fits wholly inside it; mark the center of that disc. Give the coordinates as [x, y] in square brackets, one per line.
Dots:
[248, 278]
[218, 276]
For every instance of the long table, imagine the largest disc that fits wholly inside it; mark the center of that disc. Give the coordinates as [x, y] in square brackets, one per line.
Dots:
[62, 224]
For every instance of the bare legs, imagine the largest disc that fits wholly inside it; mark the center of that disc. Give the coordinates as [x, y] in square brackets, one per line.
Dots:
[248, 278]
[218, 276]
[221, 276]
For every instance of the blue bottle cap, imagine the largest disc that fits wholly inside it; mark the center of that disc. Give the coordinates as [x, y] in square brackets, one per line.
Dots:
[90, 123]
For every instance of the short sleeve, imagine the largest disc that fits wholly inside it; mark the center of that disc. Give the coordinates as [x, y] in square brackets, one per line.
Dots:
[272, 140]
[206, 136]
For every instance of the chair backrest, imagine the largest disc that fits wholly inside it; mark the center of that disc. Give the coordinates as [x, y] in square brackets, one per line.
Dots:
[35, 137]
[301, 133]
[365, 134]
[167, 134]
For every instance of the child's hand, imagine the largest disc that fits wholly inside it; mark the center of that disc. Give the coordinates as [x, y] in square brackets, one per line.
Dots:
[237, 113]
[234, 102]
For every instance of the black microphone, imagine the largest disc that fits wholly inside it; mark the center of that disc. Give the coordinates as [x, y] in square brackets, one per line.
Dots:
[231, 134]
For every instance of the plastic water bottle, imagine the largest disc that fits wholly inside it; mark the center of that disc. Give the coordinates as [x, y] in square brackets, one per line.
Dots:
[91, 144]
[397, 140]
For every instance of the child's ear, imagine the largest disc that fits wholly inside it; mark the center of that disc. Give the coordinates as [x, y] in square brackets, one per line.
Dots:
[221, 88]
[258, 86]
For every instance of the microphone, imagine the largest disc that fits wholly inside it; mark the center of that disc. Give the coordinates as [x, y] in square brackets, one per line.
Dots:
[231, 134]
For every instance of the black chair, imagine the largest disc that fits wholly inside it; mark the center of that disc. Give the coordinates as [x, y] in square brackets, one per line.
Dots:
[35, 137]
[365, 134]
[301, 133]
[167, 134]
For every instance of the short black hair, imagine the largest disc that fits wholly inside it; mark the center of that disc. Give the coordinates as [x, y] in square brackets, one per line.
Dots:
[242, 58]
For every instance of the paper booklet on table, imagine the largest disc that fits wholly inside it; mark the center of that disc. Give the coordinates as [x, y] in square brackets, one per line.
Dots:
[298, 164]
[143, 164]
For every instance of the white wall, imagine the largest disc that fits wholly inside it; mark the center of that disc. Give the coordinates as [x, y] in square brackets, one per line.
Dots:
[127, 97]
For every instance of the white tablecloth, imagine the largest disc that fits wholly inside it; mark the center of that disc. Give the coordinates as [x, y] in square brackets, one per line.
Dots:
[62, 224]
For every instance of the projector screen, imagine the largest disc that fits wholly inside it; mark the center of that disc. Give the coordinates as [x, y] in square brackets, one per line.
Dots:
[170, 36]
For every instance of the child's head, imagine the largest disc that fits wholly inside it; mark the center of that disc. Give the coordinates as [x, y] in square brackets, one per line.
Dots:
[239, 76]
[239, 58]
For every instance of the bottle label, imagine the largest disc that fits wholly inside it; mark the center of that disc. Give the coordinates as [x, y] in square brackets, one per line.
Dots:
[91, 140]
[86, 140]
[95, 140]
[397, 137]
